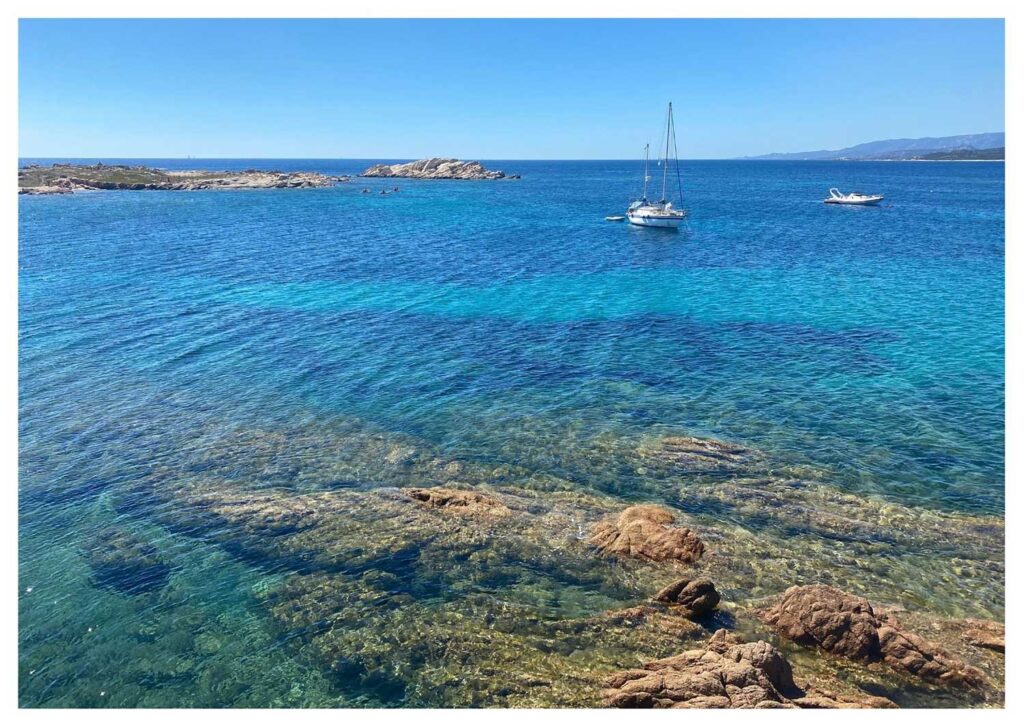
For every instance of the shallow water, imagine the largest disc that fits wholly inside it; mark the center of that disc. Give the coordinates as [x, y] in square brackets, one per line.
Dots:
[308, 340]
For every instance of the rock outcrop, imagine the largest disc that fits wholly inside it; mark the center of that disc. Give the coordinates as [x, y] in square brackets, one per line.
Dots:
[724, 674]
[694, 597]
[849, 626]
[646, 531]
[68, 178]
[740, 676]
[435, 168]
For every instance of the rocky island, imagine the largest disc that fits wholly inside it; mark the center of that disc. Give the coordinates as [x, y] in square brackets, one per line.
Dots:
[436, 168]
[69, 178]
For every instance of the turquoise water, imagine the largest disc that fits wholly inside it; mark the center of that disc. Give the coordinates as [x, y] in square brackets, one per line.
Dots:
[500, 323]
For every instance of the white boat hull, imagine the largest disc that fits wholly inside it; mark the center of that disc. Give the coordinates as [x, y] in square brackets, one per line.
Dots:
[857, 198]
[655, 221]
[861, 202]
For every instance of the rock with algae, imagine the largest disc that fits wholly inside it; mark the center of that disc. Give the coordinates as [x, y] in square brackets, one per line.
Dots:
[352, 531]
[849, 626]
[123, 561]
[372, 636]
[300, 501]
[693, 454]
[768, 526]
[464, 502]
[646, 531]
[986, 634]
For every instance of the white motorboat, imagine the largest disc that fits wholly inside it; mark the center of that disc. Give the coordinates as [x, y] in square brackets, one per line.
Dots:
[646, 213]
[837, 197]
[615, 218]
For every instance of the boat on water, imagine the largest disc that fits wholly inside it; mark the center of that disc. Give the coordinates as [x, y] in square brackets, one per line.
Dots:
[647, 213]
[615, 218]
[837, 197]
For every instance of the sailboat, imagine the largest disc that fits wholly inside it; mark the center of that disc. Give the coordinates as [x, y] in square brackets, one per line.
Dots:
[646, 213]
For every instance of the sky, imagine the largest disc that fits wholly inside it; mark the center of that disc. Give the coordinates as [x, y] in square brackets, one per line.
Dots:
[498, 89]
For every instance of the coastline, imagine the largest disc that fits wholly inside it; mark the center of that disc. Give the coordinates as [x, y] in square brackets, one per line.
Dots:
[72, 178]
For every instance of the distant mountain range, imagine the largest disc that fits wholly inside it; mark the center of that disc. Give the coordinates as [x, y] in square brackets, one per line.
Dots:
[966, 146]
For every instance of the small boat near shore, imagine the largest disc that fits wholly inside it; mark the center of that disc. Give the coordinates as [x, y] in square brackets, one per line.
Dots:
[837, 197]
[645, 213]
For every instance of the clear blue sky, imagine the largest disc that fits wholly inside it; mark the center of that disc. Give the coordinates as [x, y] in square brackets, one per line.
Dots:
[493, 89]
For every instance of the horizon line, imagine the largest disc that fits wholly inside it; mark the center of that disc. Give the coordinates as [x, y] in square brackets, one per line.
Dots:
[758, 158]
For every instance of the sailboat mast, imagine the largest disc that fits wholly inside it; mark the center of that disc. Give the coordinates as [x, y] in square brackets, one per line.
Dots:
[664, 172]
[647, 163]
[675, 154]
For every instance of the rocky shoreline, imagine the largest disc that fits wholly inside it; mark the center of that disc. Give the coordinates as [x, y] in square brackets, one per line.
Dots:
[405, 575]
[436, 168]
[71, 178]
[415, 577]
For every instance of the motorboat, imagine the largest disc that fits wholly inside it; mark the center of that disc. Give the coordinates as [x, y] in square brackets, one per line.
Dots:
[660, 213]
[837, 197]
[615, 218]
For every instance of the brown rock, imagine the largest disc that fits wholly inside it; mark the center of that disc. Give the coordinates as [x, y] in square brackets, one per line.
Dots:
[827, 618]
[645, 531]
[768, 659]
[461, 501]
[849, 626]
[820, 699]
[695, 597]
[986, 634]
[728, 674]
[704, 678]
[722, 640]
[667, 623]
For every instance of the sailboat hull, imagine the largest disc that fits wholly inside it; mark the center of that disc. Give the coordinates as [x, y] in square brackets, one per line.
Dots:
[671, 222]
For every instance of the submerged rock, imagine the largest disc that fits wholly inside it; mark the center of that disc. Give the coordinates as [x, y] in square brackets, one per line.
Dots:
[373, 637]
[429, 578]
[460, 501]
[646, 531]
[822, 699]
[986, 634]
[666, 621]
[693, 454]
[122, 561]
[849, 626]
[695, 597]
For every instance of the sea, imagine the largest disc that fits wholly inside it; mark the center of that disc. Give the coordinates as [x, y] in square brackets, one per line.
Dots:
[505, 324]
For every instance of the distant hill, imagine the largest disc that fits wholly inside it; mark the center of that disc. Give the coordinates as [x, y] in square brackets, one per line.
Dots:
[965, 155]
[901, 148]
